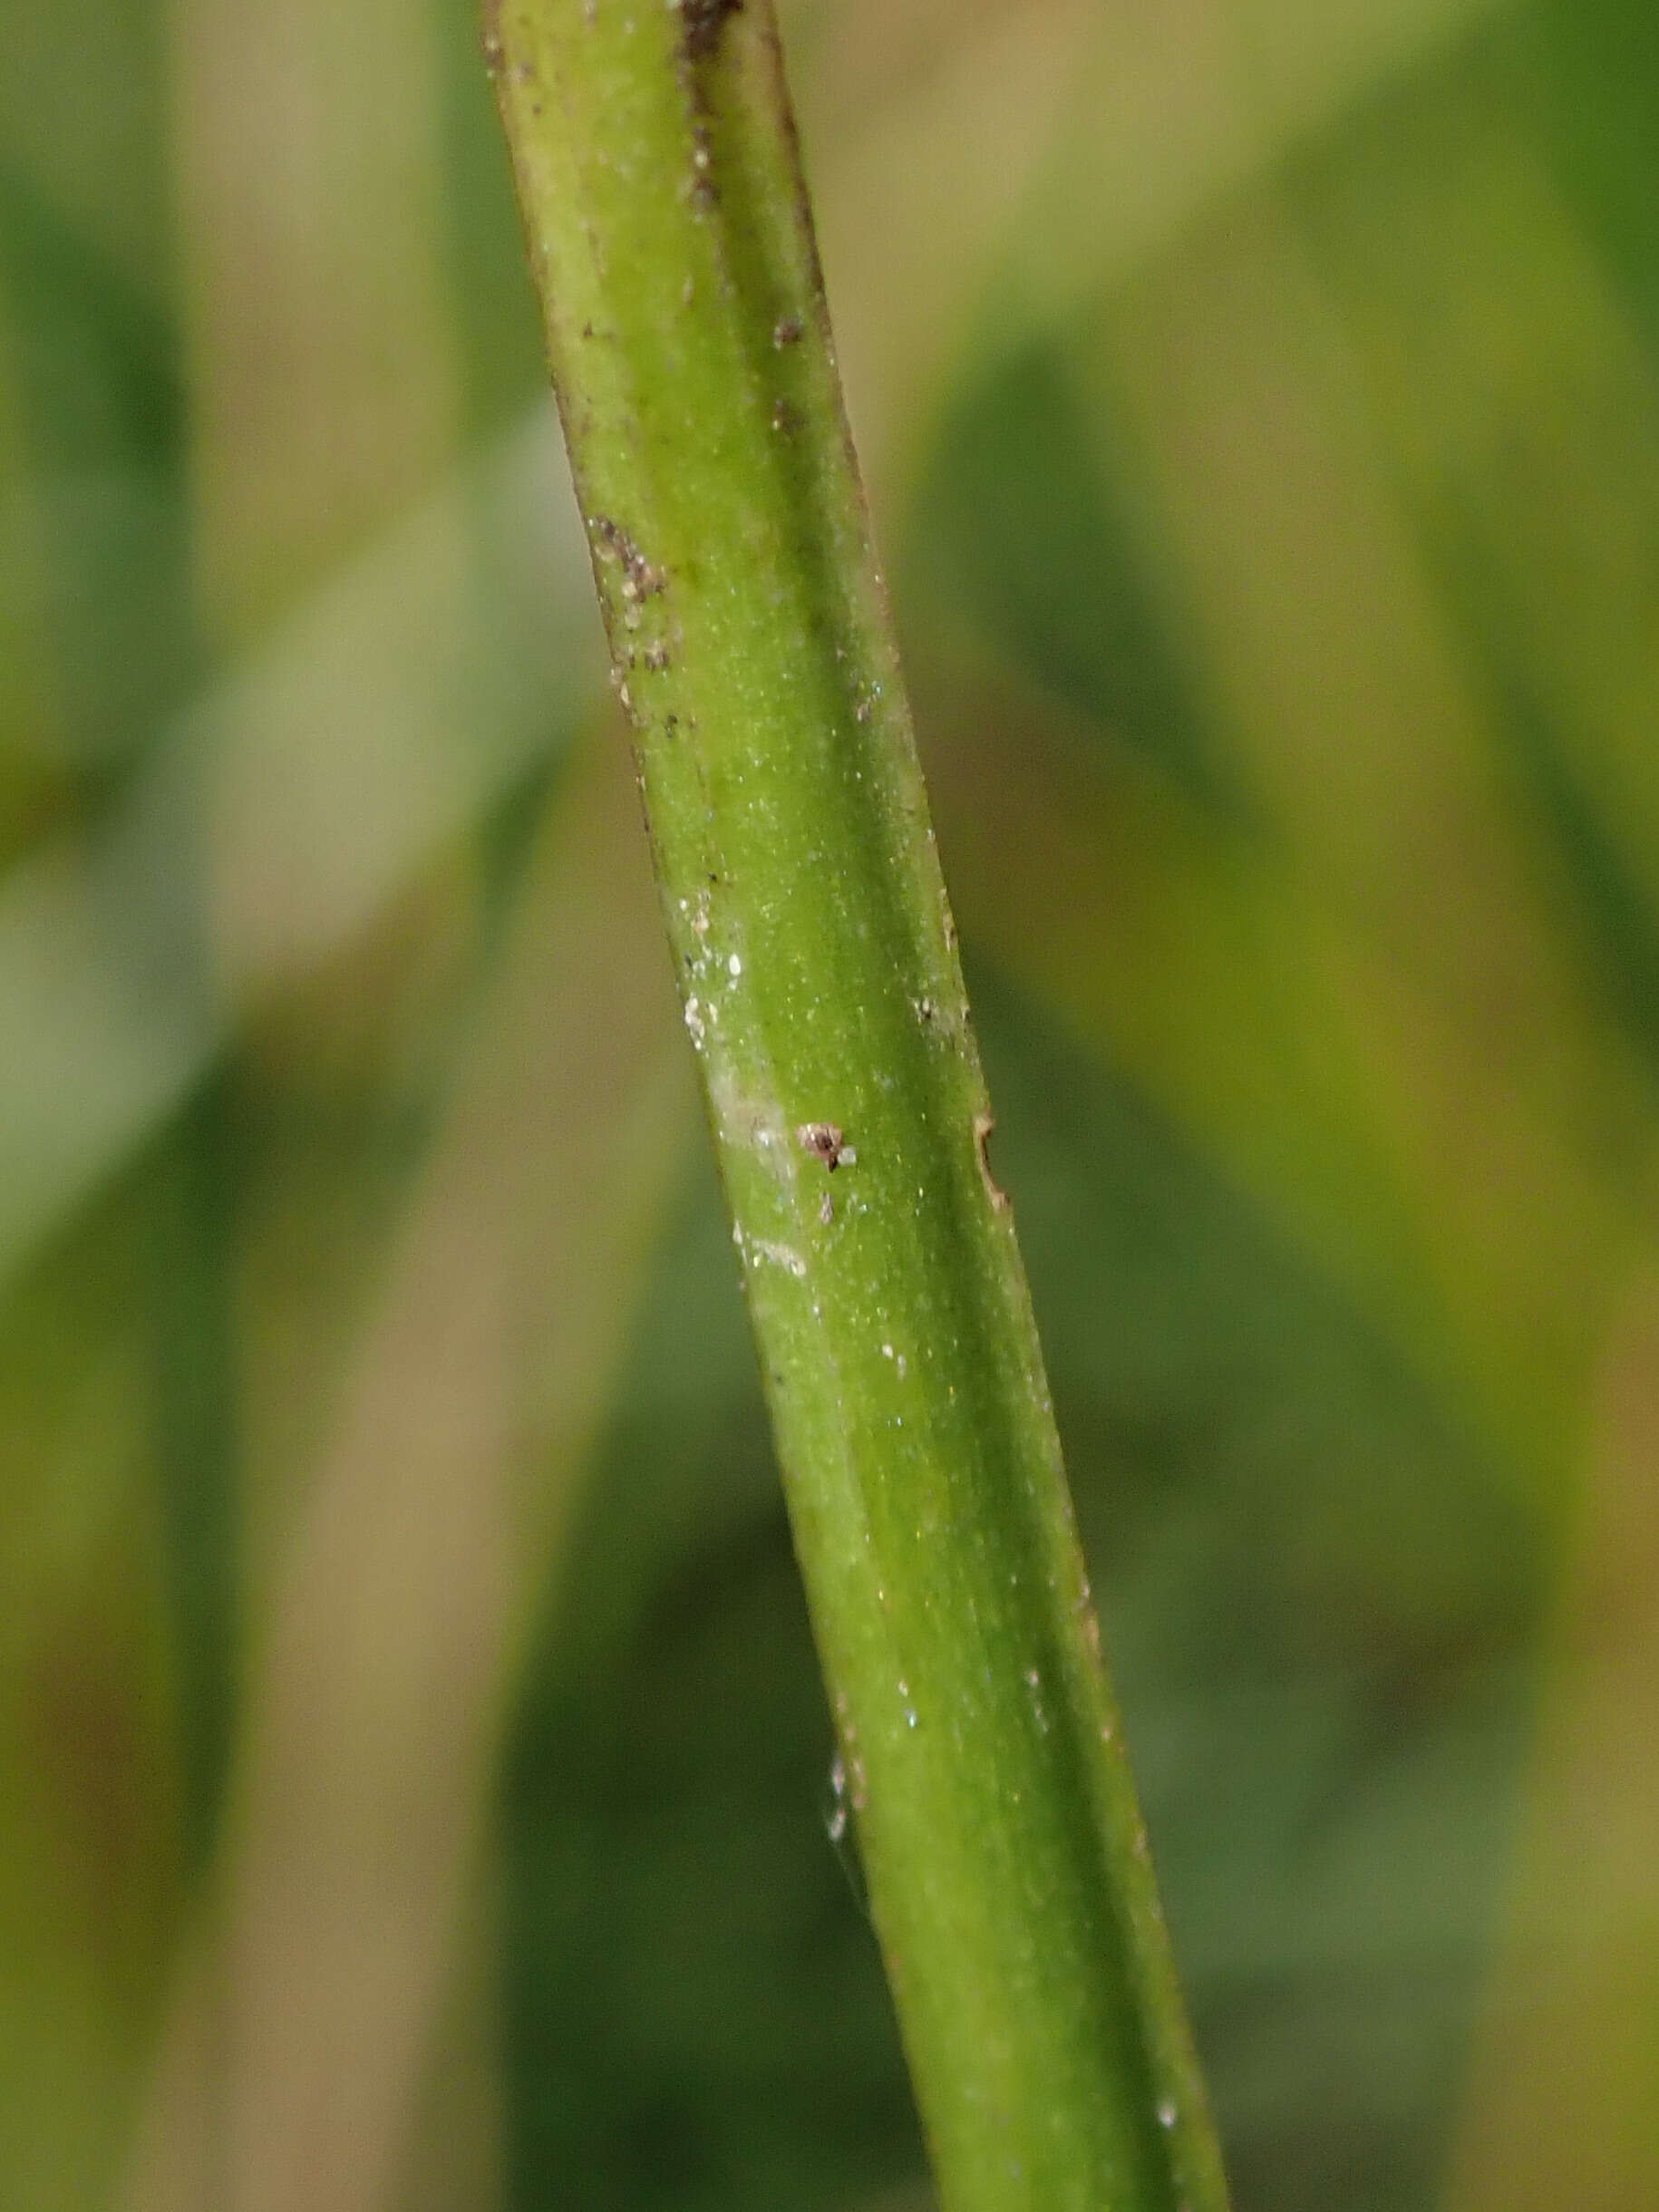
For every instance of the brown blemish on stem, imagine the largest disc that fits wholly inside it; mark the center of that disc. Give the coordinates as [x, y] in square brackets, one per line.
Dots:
[702, 21]
[490, 34]
[640, 576]
[983, 1123]
[823, 1139]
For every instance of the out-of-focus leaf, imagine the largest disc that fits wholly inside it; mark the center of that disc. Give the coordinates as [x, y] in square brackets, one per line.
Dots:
[91, 1816]
[502, 368]
[84, 120]
[1030, 550]
[1520, 406]
[196, 1449]
[93, 526]
[398, 1606]
[1589, 77]
[287, 807]
[1561, 2104]
[308, 147]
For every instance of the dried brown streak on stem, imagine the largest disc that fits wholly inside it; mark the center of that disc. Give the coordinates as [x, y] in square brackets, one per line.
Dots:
[983, 1123]
[704, 21]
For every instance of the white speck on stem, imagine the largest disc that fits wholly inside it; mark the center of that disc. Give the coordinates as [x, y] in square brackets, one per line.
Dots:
[837, 1823]
[1033, 1682]
[779, 1255]
[735, 966]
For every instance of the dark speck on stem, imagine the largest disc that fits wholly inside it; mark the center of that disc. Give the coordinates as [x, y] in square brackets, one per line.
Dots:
[823, 1139]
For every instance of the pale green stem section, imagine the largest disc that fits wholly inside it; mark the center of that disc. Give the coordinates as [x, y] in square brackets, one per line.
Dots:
[672, 246]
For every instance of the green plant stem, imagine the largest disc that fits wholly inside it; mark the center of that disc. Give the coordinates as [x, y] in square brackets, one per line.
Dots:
[672, 246]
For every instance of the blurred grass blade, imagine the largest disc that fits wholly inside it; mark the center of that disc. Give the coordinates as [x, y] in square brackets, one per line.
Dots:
[322, 366]
[1559, 2108]
[398, 1616]
[276, 816]
[668, 232]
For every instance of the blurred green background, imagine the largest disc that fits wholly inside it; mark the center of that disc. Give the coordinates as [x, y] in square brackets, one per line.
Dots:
[413, 1774]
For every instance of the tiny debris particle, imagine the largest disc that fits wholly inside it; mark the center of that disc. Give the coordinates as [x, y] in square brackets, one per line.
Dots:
[826, 1210]
[785, 419]
[735, 966]
[983, 1123]
[655, 657]
[787, 331]
[824, 1142]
